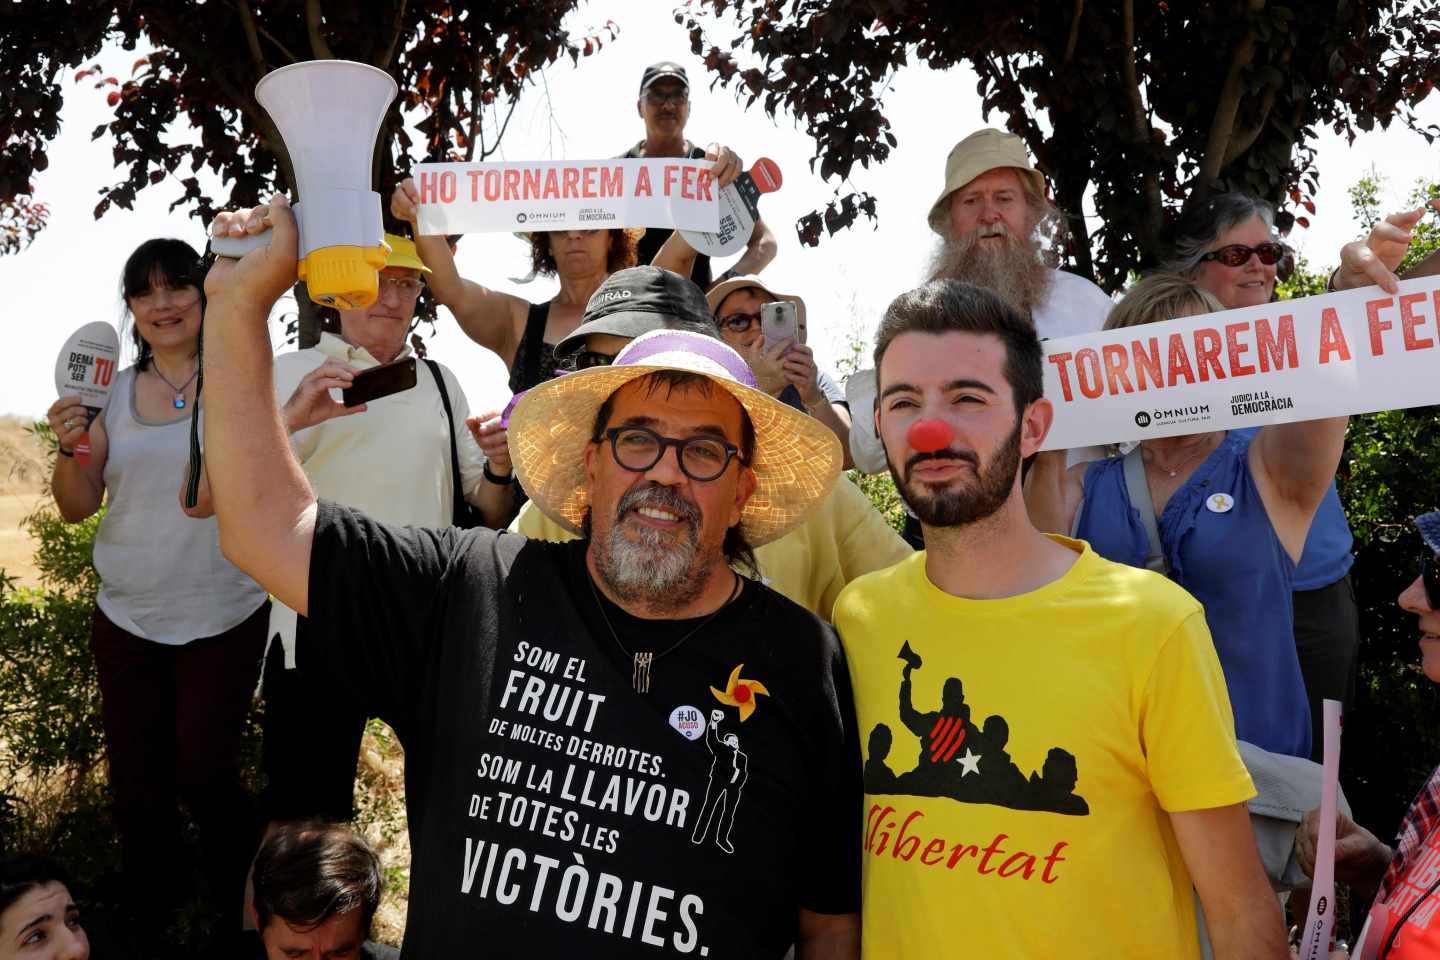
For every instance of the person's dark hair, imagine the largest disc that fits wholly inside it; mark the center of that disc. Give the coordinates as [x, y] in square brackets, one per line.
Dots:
[172, 262]
[949, 306]
[624, 252]
[306, 873]
[1202, 223]
[21, 874]
[738, 551]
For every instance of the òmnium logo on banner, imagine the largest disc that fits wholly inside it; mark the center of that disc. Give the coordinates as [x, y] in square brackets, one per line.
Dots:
[1195, 413]
[1258, 402]
[543, 217]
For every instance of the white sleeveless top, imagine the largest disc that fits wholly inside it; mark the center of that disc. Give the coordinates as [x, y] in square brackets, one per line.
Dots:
[162, 576]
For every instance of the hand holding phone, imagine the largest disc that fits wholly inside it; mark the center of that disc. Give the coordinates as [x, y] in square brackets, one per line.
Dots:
[380, 381]
[778, 321]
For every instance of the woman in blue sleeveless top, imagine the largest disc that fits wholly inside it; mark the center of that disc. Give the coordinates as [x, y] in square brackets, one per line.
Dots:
[1327, 617]
[1233, 511]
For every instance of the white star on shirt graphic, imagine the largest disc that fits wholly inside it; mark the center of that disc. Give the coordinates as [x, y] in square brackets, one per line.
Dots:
[970, 763]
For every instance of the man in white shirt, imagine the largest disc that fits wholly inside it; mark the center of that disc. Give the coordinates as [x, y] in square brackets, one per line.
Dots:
[391, 458]
[993, 219]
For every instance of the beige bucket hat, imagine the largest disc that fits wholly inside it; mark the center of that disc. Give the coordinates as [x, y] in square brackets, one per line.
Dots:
[985, 149]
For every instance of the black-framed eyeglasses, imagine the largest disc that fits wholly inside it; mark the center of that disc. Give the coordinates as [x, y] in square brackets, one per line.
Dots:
[1430, 576]
[738, 322]
[1238, 254]
[585, 359]
[637, 449]
[677, 97]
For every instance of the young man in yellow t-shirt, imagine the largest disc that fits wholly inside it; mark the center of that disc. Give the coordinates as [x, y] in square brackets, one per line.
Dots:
[1050, 757]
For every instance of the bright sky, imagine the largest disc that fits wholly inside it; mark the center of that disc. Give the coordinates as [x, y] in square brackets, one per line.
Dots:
[70, 275]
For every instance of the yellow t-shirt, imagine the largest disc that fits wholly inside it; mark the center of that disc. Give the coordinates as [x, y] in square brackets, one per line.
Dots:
[843, 538]
[1017, 783]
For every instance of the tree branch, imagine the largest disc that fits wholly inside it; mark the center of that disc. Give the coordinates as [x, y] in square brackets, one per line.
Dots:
[1222, 124]
[1245, 139]
[397, 25]
[252, 40]
[318, 47]
[1074, 38]
[1140, 132]
[499, 136]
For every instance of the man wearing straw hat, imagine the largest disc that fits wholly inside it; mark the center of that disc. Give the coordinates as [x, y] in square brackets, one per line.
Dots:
[841, 539]
[611, 745]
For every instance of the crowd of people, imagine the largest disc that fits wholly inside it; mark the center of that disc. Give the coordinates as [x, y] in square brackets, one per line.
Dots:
[669, 704]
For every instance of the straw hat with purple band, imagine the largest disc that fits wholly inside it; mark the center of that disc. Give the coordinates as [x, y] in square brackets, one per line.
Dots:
[982, 151]
[796, 458]
[1429, 526]
[716, 295]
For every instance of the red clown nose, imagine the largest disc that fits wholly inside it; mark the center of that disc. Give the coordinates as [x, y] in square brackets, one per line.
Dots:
[927, 436]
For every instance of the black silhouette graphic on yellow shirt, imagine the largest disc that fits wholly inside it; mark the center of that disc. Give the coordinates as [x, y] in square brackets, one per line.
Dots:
[964, 763]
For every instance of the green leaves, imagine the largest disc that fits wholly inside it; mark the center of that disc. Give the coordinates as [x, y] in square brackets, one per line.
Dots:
[1348, 67]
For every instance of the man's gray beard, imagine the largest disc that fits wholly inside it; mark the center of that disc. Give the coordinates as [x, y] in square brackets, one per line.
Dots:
[1014, 271]
[653, 570]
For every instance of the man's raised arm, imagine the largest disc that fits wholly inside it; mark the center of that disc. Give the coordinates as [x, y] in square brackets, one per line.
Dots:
[264, 506]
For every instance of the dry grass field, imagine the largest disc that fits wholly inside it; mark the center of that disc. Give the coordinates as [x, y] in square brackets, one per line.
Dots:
[22, 489]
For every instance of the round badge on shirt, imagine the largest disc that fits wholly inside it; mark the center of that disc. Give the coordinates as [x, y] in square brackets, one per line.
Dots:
[689, 722]
[1219, 503]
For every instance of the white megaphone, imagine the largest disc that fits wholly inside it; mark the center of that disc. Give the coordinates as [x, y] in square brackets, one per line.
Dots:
[329, 113]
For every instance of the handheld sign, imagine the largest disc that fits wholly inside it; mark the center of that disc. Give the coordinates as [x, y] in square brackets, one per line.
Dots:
[85, 368]
[739, 209]
[1315, 935]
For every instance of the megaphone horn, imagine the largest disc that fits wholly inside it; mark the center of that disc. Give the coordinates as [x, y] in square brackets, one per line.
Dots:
[329, 113]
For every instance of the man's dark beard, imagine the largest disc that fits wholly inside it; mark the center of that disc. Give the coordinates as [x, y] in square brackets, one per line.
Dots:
[653, 569]
[1011, 268]
[958, 506]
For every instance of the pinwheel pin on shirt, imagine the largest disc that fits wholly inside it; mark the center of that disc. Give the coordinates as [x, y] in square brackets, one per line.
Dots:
[740, 693]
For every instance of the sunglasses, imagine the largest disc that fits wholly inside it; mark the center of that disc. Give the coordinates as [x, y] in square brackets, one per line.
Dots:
[1238, 254]
[585, 359]
[739, 322]
[1430, 575]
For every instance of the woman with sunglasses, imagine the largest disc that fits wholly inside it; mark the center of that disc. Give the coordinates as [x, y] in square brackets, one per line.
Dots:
[1227, 246]
[1225, 515]
[1402, 879]
[178, 631]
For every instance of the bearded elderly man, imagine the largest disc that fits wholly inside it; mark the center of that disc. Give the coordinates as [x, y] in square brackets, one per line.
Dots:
[560, 705]
[997, 230]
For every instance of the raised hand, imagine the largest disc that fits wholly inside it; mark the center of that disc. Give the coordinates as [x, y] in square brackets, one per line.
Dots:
[404, 202]
[491, 436]
[1374, 259]
[263, 275]
[726, 164]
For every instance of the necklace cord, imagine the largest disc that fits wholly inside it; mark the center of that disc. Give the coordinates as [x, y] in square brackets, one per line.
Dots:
[599, 605]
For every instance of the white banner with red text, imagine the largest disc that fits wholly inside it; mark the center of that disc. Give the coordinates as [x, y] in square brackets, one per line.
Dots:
[1352, 352]
[566, 195]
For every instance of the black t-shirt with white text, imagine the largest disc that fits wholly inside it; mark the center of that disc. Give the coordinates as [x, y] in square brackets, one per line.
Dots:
[553, 810]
